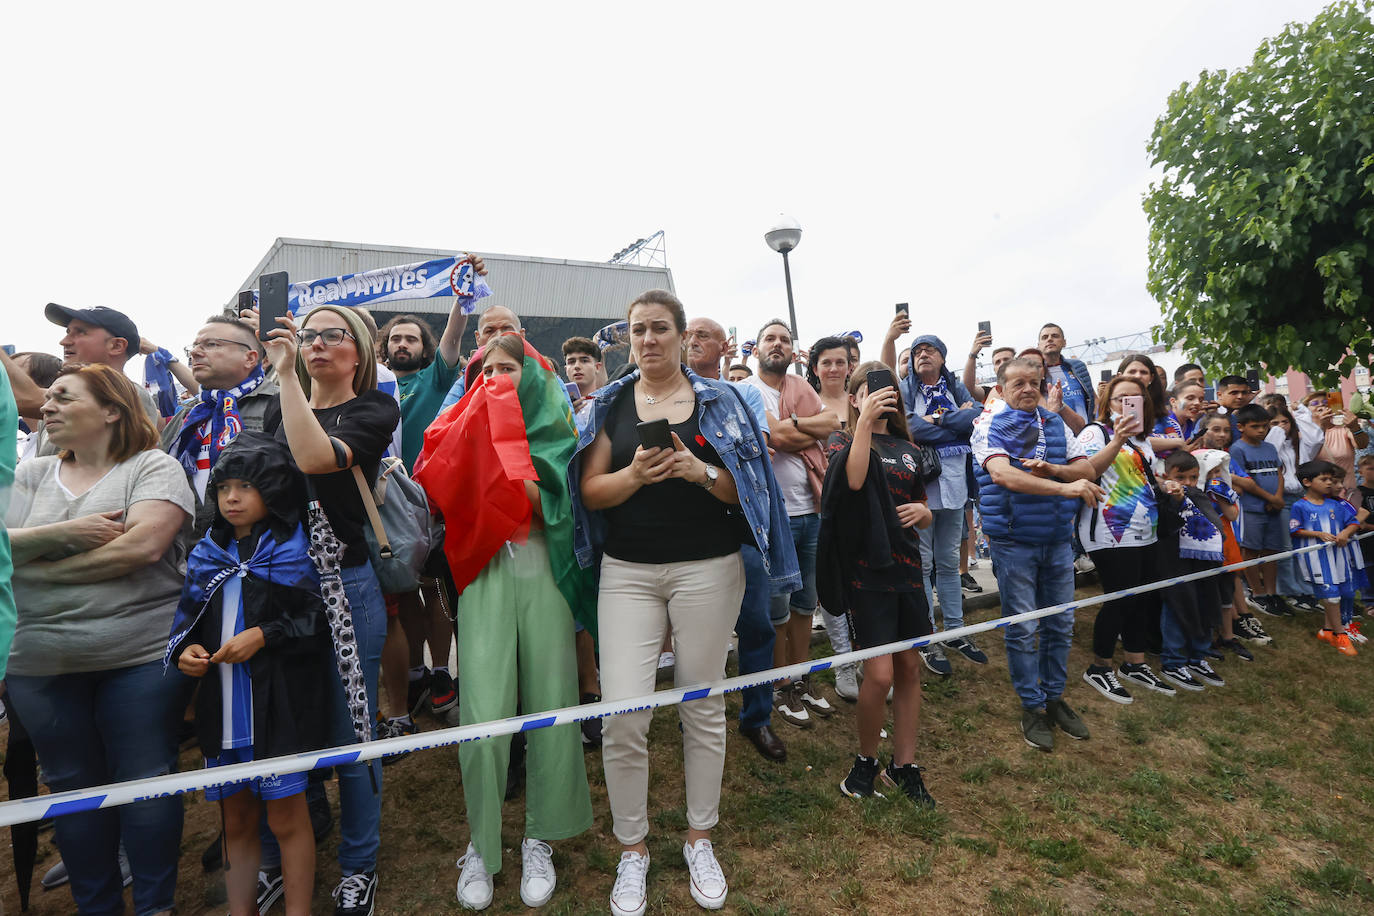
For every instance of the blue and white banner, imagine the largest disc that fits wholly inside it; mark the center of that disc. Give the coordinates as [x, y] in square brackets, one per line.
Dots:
[452, 276]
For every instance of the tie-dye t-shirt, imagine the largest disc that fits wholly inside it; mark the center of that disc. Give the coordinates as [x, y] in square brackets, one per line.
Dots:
[1128, 513]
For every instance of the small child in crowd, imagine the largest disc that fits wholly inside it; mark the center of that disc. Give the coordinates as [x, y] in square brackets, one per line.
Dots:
[261, 623]
[1192, 610]
[1211, 446]
[1262, 505]
[1322, 517]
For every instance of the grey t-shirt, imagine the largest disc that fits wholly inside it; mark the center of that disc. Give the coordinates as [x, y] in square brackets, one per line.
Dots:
[95, 626]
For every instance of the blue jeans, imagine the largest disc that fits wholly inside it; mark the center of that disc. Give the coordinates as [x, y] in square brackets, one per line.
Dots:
[806, 531]
[108, 726]
[756, 635]
[1178, 649]
[940, 546]
[1032, 576]
[1289, 581]
[360, 804]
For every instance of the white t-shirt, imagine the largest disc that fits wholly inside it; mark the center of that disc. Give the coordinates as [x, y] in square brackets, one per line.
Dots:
[1128, 513]
[787, 467]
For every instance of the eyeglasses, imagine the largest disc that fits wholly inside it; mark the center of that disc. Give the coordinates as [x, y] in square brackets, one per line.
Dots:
[332, 337]
[211, 344]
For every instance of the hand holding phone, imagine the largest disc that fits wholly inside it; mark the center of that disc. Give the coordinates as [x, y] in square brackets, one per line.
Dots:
[904, 307]
[1252, 377]
[273, 292]
[1133, 407]
[655, 434]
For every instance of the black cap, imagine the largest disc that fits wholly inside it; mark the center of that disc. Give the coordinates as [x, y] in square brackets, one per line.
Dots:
[112, 320]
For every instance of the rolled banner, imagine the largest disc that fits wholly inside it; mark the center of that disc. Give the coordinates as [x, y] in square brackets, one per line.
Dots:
[856, 336]
[611, 335]
[748, 347]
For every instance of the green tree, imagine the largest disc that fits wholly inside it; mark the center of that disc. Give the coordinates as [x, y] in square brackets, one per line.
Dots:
[1262, 226]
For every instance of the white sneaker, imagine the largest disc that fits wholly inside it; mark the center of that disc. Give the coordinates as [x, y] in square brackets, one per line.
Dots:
[708, 881]
[537, 877]
[847, 683]
[474, 884]
[666, 660]
[630, 894]
[973, 561]
[1083, 564]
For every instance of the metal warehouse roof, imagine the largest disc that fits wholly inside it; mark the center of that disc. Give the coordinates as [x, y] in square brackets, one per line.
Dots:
[529, 286]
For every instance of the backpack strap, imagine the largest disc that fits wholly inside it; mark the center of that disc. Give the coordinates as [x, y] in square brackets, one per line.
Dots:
[373, 516]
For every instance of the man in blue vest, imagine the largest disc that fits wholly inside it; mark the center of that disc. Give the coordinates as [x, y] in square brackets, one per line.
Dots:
[1031, 474]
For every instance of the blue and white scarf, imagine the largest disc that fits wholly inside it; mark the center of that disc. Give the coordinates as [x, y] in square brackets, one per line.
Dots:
[209, 566]
[210, 426]
[157, 378]
[938, 398]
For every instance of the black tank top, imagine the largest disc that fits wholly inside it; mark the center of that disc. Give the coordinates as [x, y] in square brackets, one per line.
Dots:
[671, 521]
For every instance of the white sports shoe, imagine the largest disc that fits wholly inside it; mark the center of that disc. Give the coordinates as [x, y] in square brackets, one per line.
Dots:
[847, 683]
[630, 894]
[537, 877]
[474, 884]
[708, 881]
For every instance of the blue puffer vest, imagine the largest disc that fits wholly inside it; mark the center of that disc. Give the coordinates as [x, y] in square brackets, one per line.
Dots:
[1022, 517]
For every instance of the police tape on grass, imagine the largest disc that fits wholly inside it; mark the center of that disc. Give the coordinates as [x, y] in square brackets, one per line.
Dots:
[123, 793]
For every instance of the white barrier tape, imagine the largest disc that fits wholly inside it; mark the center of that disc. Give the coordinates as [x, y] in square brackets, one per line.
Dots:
[43, 806]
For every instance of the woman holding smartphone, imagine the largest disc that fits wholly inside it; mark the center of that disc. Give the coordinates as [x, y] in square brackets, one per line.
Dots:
[869, 559]
[1119, 535]
[666, 525]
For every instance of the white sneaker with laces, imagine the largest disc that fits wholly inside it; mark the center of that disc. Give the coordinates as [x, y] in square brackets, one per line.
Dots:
[630, 894]
[708, 881]
[474, 884]
[537, 877]
[847, 683]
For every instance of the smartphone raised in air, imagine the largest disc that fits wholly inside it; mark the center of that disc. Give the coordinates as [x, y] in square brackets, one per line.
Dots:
[273, 291]
[1133, 405]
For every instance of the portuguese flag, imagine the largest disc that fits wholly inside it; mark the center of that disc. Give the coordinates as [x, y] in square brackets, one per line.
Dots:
[475, 461]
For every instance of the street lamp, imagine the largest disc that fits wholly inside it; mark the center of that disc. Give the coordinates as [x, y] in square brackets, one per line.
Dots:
[783, 238]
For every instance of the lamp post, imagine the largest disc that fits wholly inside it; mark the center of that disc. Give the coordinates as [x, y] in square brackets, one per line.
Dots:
[783, 238]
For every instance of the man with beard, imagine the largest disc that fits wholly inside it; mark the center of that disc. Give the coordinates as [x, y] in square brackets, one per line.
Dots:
[705, 344]
[798, 424]
[1080, 395]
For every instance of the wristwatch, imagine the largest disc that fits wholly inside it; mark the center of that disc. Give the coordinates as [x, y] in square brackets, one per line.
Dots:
[794, 422]
[711, 474]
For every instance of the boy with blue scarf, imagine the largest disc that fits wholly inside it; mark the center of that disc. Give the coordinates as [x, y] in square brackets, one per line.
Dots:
[251, 607]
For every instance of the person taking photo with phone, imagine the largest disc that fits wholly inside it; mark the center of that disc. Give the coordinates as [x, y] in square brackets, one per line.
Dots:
[870, 562]
[666, 525]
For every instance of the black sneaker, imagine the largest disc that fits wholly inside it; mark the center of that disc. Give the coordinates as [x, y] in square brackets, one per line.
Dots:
[1036, 729]
[859, 782]
[1142, 675]
[935, 660]
[1236, 648]
[1061, 714]
[443, 694]
[270, 889]
[1104, 681]
[356, 895]
[908, 779]
[1181, 677]
[1205, 673]
[1213, 653]
[395, 728]
[417, 691]
[968, 650]
[1249, 629]
[1305, 603]
[970, 584]
[1283, 607]
[591, 728]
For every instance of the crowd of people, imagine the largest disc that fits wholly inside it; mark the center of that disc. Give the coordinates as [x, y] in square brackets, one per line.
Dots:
[210, 562]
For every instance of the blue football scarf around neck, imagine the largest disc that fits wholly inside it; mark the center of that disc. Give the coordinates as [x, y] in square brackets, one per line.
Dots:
[937, 396]
[221, 408]
[209, 566]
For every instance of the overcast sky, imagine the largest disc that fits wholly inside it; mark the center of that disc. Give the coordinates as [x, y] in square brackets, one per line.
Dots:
[980, 161]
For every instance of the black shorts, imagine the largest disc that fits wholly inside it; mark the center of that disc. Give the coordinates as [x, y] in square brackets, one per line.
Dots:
[878, 618]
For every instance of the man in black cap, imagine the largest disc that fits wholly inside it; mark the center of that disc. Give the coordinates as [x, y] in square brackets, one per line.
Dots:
[97, 335]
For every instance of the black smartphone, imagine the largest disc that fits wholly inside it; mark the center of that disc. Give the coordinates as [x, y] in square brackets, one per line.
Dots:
[985, 327]
[272, 300]
[904, 307]
[879, 379]
[1252, 376]
[248, 299]
[655, 434]
[1106, 375]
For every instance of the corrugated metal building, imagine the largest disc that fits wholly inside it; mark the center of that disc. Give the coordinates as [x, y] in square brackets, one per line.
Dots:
[555, 299]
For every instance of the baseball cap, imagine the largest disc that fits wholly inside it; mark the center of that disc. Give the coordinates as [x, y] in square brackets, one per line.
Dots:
[112, 320]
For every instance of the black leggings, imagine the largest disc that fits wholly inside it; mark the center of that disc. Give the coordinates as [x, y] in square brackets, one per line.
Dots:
[1128, 618]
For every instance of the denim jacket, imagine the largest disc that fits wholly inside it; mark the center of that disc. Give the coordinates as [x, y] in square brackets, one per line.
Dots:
[731, 428]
